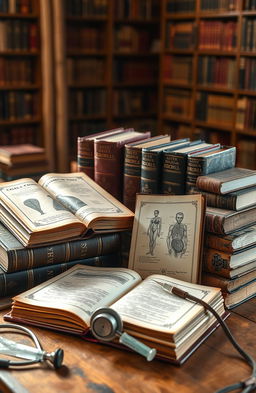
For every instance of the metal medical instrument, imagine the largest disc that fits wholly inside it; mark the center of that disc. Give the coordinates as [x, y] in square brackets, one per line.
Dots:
[106, 324]
[31, 354]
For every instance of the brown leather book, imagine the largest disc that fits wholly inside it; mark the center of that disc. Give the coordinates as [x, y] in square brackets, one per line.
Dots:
[85, 150]
[109, 160]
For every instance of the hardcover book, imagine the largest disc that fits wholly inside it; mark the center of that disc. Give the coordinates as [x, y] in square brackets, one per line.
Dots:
[227, 181]
[152, 165]
[109, 160]
[60, 207]
[132, 167]
[15, 257]
[232, 242]
[238, 294]
[236, 200]
[222, 221]
[17, 154]
[172, 325]
[204, 163]
[228, 285]
[175, 166]
[85, 150]
[11, 284]
[217, 258]
[167, 236]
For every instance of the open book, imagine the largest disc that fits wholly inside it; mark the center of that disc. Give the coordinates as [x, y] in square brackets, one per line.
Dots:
[59, 207]
[174, 326]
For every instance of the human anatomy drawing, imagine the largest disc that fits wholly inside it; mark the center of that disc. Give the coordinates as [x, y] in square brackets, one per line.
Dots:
[154, 230]
[177, 237]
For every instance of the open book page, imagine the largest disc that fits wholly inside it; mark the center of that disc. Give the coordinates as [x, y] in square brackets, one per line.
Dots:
[167, 236]
[83, 196]
[150, 307]
[33, 207]
[80, 290]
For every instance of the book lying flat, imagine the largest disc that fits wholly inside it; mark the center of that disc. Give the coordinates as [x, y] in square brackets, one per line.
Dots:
[15, 257]
[232, 242]
[227, 181]
[14, 154]
[236, 200]
[162, 320]
[222, 221]
[60, 207]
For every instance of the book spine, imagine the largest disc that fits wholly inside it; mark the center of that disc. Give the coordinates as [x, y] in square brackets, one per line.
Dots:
[213, 185]
[218, 242]
[13, 283]
[174, 174]
[28, 258]
[85, 156]
[214, 223]
[108, 161]
[217, 262]
[132, 175]
[221, 201]
[215, 281]
[151, 164]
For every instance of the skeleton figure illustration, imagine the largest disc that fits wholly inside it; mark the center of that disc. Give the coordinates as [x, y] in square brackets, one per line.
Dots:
[177, 237]
[154, 230]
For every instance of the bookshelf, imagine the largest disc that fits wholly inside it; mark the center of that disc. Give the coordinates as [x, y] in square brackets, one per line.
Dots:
[111, 67]
[207, 65]
[21, 81]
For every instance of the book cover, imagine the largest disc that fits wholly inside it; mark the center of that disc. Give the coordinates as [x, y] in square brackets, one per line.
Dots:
[232, 242]
[152, 165]
[227, 181]
[222, 221]
[11, 284]
[199, 164]
[236, 200]
[132, 167]
[109, 160]
[175, 166]
[15, 257]
[167, 236]
[85, 150]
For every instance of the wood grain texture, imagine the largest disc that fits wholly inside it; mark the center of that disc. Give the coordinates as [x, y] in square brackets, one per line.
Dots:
[97, 368]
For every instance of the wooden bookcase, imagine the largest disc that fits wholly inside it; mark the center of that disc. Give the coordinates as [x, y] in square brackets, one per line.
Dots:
[21, 80]
[112, 63]
[207, 84]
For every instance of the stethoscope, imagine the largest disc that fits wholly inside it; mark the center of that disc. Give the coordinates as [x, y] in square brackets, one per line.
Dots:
[30, 354]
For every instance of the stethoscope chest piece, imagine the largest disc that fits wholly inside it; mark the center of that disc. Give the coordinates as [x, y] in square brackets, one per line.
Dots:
[106, 324]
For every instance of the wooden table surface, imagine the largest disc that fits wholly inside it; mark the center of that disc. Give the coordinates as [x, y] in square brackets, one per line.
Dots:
[97, 368]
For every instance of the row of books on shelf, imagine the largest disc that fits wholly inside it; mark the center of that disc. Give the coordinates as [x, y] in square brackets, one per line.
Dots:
[174, 6]
[18, 35]
[86, 7]
[86, 70]
[132, 101]
[18, 105]
[16, 71]
[133, 9]
[16, 135]
[132, 71]
[129, 39]
[16, 7]
[87, 38]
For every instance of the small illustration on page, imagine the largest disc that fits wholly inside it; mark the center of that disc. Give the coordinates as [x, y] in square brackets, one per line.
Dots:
[73, 204]
[154, 230]
[34, 204]
[177, 237]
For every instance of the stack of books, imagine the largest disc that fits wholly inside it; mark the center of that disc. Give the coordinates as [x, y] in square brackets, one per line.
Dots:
[50, 226]
[229, 260]
[23, 160]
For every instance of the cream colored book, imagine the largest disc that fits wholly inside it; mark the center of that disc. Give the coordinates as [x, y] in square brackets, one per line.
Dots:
[172, 325]
[167, 236]
[59, 207]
